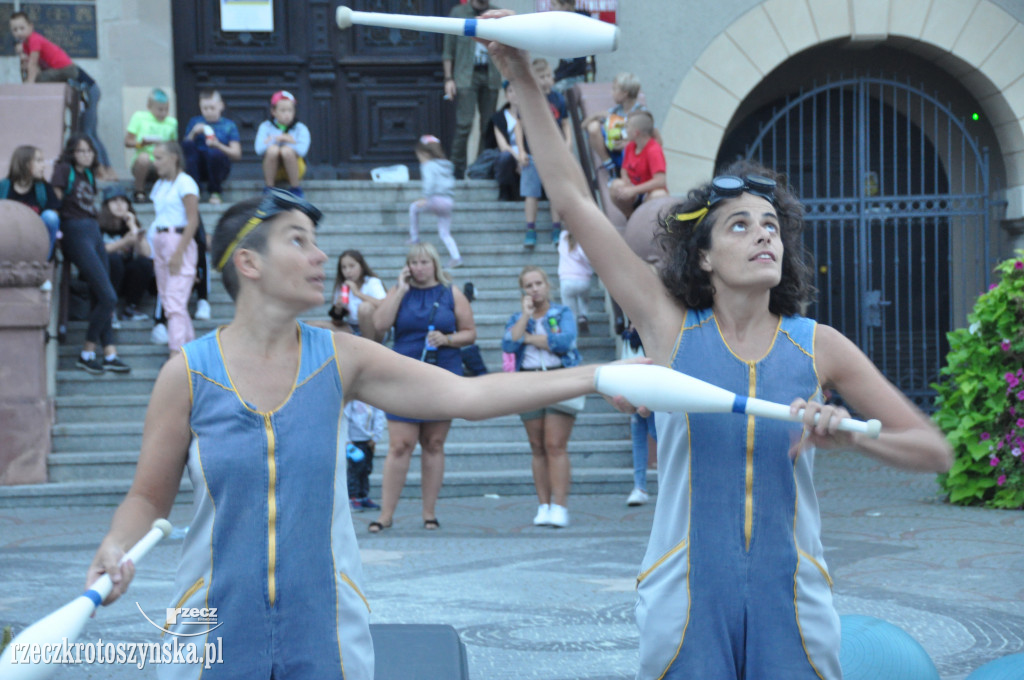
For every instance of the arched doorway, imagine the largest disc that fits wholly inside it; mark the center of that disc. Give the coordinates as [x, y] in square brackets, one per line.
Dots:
[896, 192]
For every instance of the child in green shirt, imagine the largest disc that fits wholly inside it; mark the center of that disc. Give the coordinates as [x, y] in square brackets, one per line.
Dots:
[145, 130]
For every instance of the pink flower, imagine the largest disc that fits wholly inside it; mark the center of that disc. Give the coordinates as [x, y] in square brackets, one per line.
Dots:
[1018, 265]
[1020, 396]
[1020, 422]
[985, 436]
[1011, 379]
[992, 286]
[993, 461]
[1005, 345]
[1001, 480]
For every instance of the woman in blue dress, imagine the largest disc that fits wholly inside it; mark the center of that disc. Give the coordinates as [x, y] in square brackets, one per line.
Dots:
[432, 320]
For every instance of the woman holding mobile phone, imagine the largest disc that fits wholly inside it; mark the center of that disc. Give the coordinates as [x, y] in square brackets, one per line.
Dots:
[432, 320]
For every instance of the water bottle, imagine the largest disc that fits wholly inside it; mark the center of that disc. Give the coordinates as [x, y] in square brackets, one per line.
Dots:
[344, 293]
[354, 453]
[429, 351]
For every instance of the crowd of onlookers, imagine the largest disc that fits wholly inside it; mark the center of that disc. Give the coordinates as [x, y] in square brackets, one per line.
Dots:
[423, 315]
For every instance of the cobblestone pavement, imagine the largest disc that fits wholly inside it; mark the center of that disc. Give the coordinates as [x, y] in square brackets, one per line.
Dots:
[558, 604]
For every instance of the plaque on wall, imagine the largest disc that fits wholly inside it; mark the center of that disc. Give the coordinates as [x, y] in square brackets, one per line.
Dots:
[247, 15]
[71, 26]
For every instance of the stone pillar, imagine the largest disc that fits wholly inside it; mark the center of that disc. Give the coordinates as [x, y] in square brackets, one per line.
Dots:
[26, 412]
[1015, 231]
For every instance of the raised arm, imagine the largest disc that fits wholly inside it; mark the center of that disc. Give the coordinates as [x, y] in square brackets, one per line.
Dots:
[631, 282]
[386, 312]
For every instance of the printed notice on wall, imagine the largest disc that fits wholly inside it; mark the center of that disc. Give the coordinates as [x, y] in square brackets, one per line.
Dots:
[247, 15]
[592, 6]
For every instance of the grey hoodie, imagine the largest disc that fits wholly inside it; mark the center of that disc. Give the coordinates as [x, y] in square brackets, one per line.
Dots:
[438, 177]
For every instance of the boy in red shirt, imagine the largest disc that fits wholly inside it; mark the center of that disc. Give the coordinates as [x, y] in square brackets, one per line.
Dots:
[643, 166]
[45, 62]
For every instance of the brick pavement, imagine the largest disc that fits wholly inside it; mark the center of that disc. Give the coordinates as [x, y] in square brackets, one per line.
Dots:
[550, 604]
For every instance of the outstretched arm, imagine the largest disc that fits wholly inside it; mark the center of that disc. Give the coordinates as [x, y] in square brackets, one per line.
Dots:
[630, 281]
[415, 389]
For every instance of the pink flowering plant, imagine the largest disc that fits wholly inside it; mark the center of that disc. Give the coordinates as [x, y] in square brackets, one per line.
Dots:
[980, 404]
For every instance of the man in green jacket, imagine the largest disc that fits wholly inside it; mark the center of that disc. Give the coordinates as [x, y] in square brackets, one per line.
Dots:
[470, 79]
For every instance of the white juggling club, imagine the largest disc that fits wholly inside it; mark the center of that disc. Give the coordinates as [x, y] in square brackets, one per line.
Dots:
[662, 389]
[68, 621]
[556, 34]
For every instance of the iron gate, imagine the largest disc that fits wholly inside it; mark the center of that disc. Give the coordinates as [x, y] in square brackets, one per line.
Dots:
[896, 195]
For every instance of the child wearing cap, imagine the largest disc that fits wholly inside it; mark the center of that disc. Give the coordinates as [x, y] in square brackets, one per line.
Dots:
[145, 130]
[438, 175]
[283, 142]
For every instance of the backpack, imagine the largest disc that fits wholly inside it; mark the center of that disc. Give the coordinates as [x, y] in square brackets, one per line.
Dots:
[483, 167]
[40, 187]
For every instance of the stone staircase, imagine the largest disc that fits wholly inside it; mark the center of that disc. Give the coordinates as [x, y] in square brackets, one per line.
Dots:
[99, 419]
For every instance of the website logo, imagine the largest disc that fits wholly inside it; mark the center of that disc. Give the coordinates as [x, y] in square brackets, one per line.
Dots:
[205, 617]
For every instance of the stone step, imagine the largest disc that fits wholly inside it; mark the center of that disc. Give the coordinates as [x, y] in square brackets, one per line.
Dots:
[515, 482]
[122, 435]
[365, 215]
[74, 466]
[318, 191]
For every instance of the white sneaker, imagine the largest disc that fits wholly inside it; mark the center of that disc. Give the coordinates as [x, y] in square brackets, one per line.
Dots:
[202, 311]
[159, 335]
[558, 516]
[542, 518]
[637, 497]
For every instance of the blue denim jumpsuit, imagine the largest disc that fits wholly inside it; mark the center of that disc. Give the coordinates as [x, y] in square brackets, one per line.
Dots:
[734, 583]
[271, 544]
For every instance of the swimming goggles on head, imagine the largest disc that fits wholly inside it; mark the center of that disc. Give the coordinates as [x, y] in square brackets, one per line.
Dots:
[731, 186]
[275, 201]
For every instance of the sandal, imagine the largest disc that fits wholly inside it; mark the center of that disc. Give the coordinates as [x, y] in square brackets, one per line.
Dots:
[376, 527]
[431, 524]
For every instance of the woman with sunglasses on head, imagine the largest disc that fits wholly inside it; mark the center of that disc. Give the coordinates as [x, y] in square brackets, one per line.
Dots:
[74, 181]
[175, 198]
[734, 583]
[254, 411]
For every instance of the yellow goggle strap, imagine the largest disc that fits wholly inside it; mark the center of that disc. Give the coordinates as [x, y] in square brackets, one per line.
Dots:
[698, 214]
[253, 222]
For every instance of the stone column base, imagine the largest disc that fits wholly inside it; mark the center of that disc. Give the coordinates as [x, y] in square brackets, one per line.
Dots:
[26, 427]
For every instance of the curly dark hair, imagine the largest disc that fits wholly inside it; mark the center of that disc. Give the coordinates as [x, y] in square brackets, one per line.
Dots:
[684, 242]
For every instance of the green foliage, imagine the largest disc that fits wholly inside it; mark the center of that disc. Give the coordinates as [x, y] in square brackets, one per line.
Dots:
[5, 638]
[981, 397]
